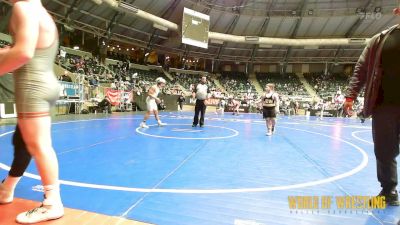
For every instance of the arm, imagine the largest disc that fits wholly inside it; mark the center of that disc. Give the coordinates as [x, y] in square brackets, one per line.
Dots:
[358, 79]
[208, 93]
[277, 102]
[152, 93]
[194, 92]
[25, 39]
[258, 100]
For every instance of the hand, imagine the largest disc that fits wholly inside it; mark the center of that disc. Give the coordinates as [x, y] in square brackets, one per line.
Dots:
[348, 107]
[396, 11]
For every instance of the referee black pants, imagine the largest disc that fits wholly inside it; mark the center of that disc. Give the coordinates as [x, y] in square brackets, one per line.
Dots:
[199, 108]
[385, 132]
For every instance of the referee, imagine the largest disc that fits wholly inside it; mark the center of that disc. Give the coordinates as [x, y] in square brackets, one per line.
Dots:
[201, 92]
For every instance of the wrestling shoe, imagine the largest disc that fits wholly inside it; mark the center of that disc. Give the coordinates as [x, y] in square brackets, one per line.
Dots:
[143, 125]
[391, 198]
[40, 214]
[161, 124]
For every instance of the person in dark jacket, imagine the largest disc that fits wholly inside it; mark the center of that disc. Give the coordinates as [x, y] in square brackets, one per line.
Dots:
[377, 69]
[105, 105]
[180, 101]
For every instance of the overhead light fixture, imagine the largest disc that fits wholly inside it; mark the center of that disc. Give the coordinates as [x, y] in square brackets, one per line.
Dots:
[357, 41]
[310, 12]
[294, 13]
[146, 54]
[251, 38]
[127, 7]
[68, 27]
[236, 9]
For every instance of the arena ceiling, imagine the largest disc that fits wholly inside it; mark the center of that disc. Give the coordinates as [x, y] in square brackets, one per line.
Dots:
[268, 18]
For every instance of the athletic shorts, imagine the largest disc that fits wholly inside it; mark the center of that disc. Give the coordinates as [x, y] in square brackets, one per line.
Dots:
[269, 112]
[151, 104]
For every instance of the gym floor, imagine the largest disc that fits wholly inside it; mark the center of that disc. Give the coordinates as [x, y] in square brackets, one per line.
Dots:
[228, 172]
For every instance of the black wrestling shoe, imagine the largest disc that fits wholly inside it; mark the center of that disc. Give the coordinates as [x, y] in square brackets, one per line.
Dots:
[391, 198]
[194, 125]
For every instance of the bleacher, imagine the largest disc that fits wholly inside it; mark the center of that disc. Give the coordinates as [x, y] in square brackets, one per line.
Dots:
[326, 85]
[285, 84]
[237, 83]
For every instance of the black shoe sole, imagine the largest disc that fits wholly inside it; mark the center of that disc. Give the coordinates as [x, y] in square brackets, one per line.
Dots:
[396, 203]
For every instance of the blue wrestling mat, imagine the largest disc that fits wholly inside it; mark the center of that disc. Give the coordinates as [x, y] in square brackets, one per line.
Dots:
[228, 172]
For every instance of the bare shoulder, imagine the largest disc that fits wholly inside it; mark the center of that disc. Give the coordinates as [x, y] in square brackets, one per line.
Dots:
[23, 11]
[24, 7]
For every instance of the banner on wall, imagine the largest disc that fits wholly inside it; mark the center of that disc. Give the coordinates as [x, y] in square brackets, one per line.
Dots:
[212, 101]
[118, 96]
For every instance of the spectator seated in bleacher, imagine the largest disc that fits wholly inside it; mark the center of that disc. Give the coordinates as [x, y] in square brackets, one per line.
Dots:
[93, 81]
[65, 77]
[104, 105]
[237, 84]
[287, 84]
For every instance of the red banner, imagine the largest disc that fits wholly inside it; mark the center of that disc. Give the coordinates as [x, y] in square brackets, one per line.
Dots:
[117, 96]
